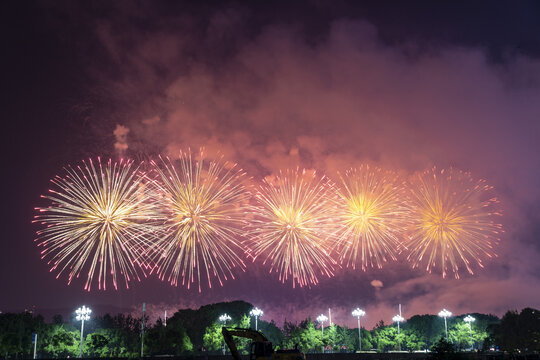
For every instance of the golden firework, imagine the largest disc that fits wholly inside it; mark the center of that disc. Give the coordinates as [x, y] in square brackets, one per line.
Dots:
[203, 210]
[373, 217]
[454, 221]
[293, 224]
[98, 222]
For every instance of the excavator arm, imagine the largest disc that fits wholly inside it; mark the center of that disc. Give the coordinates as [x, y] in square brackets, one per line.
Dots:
[228, 334]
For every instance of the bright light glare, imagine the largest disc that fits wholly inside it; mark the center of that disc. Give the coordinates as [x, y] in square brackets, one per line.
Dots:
[322, 318]
[83, 313]
[224, 318]
[256, 312]
[445, 313]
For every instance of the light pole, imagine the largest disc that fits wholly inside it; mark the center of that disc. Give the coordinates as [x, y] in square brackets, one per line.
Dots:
[445, 314]
[143, 325]
[83, 313]
[256, 312]
[322, 318]
[359, 313]
[34, 340]
[398, 318]
[469, 320]
[223, 318]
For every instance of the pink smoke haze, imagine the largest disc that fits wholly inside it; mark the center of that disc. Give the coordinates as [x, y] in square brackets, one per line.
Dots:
[279, 103]
[275, 99]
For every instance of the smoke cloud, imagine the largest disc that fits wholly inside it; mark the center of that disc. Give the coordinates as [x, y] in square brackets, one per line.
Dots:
[271, 100]
[121, 144]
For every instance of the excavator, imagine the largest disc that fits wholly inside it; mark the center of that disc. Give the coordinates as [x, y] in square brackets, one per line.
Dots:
[260, 348]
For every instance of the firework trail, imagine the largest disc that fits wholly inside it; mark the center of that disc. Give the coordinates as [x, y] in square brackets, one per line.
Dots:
[204, 212]
[98, 221]
[454, 221]
[373, 217]
[293, 224]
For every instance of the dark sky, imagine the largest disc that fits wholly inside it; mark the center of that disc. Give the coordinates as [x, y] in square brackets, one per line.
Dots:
[322, 85]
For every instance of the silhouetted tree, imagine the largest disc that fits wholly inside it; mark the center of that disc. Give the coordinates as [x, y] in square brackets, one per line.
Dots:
[519, 332]
[443, 350]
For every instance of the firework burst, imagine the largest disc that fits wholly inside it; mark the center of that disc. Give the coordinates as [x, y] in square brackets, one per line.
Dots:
[292, 226]
[98, 222]
[373, 217]
[204, 212]
[454, 221]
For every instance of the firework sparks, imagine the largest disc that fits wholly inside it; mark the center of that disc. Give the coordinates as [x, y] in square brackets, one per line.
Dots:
[293, 224]
[98, 222]
[373, 217]
[204, 206]
[454, 221]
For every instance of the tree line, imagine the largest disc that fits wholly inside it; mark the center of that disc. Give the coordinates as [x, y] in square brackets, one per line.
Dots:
[198, 331]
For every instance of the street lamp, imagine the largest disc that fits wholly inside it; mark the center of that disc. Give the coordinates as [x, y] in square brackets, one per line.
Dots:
[469, 320]
[398, 318]
[83, 313]
[256, 312]
[445, 314]
[322, 318]
[359, 313]
[224, 318]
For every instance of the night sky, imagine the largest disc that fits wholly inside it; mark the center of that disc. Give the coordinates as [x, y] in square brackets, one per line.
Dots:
[273, 85]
